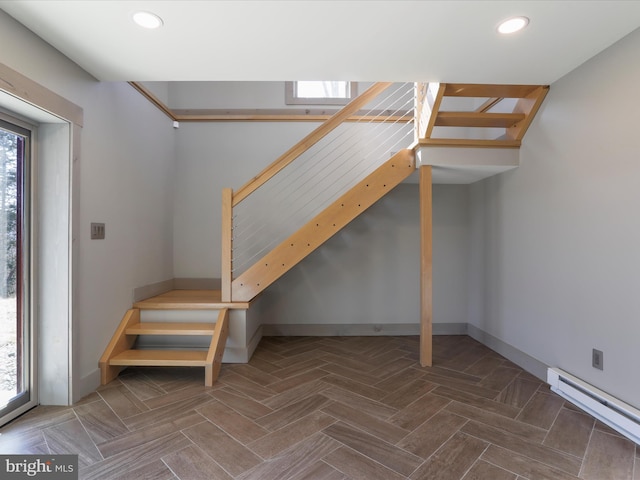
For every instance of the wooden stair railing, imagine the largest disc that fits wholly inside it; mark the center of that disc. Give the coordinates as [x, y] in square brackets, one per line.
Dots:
[120, 352]
[355, 201]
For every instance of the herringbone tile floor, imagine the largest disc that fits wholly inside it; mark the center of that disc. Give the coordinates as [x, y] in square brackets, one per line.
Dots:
[330, 409]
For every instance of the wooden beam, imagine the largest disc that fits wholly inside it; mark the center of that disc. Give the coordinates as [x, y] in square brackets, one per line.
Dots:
[469, 142]
[120, 342]
[213, 363]
[227, 244]
[490, 90]
[310, 140]
[489, 104]
[529, 107]
[426, 267]
[286, 115]
[478, 119]
[153, 99]
[434, 110]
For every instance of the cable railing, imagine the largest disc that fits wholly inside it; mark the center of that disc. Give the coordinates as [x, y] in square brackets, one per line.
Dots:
[315, 173]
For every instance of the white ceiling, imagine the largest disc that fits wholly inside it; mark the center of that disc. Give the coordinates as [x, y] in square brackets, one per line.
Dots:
[451, 41]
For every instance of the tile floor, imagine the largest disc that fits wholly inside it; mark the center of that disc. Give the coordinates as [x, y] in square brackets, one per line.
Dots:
[330, 409]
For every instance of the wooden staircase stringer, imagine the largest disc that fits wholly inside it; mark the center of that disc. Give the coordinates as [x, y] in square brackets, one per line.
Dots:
[120, 351]
[328, 222]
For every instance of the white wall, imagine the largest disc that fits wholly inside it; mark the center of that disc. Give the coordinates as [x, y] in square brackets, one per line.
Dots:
[126, 167]
[555, 268]
[369, 272]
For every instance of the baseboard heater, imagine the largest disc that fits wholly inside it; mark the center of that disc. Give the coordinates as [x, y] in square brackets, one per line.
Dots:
[619, 415]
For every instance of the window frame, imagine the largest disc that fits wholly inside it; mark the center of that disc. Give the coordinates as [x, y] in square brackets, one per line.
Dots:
[291, 97]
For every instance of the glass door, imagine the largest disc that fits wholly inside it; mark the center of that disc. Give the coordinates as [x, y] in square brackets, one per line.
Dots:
[16, 330]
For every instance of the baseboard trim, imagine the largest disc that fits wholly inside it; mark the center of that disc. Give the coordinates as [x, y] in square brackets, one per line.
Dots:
[86, 385]
[197, 283]
[523, 360]
[339, 330]
[148, 291]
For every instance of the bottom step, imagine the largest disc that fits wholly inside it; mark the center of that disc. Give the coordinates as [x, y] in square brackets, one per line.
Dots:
[160, 358]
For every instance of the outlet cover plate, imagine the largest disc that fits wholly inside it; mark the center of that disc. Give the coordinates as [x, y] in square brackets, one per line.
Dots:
[597, 359]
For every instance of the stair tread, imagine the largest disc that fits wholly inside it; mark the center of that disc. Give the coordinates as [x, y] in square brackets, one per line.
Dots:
[189, 300]
[171, 328]
[161, 358]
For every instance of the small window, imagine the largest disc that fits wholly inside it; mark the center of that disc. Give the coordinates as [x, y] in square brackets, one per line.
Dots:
[320, 93]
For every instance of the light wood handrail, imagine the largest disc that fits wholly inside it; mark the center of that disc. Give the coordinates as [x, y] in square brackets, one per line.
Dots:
[227, 245]
[310, 140]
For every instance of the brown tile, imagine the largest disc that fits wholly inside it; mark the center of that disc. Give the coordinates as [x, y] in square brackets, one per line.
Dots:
[291, 434]
[608, 457]
[455, 458]
[358, 467]
[550, 456]
[407, 394]
[249, 388]
[430, 436]
[129, 441]
[295, 394]
[393, 382]
[231, 455]
[100, 421]
[484, 366]
[292, 412]
[388, 455]
[241, 404]
[518, 393]
[294, 461]
[462, 385]
[299, 368]
[255, 375]
[570, 432]
[542, 410]
[152, 471]
[419, 411]
[71, 437]
[479, 402]
[367, 423]
[599, 425]
[17, 441]
[485, 471]
[141, 386]
[191, 463]
[370, 407]
[177, 396]
[238, 426]
[39, 418]
[394, 367]
[120, 465]
[524, 430]
[355, 387]
[355, 375]
[523, 465]
[122, 401]
[297, 380]
[342, 359]
[167, 413]
[499, 378]
[319, 471]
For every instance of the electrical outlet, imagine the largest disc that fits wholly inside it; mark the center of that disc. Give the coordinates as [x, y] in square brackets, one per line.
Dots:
[97, 231]
[597, 359]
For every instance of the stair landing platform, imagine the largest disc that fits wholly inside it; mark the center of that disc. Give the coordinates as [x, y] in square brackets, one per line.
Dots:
[189, 300]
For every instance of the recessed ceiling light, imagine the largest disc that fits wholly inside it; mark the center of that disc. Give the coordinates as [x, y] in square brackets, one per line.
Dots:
[513, 25]
[147, 20]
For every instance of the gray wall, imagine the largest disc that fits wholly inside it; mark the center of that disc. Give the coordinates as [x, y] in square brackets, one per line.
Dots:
[555, 267]
[126, 168]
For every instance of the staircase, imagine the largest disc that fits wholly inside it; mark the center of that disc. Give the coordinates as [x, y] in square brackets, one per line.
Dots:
[308, 194]
[122, 352]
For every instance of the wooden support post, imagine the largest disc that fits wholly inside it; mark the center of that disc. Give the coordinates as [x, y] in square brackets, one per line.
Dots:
[227, 245]
[426, 267]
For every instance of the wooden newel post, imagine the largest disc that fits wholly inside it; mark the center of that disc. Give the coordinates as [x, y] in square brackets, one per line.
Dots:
[227, 228]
